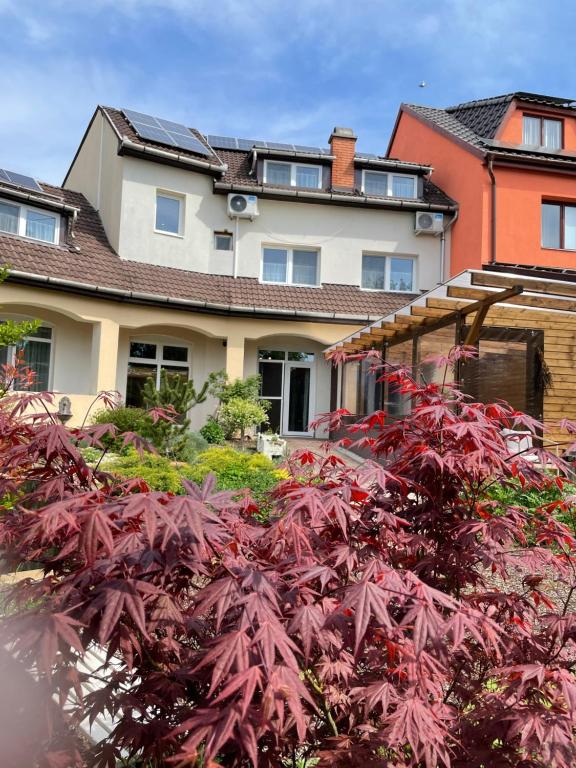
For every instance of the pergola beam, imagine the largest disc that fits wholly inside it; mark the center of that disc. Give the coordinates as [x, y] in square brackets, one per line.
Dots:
[433, 324]
[566, 304]
[494, 280]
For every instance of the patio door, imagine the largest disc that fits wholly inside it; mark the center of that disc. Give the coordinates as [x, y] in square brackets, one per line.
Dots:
[298, 397]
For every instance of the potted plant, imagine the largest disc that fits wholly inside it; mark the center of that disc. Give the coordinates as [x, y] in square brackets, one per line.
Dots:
[271, 445]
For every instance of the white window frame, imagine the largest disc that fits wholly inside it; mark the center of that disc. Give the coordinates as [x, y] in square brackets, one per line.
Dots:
[22, 218]
[290, 264]
[221, 233]
[159, 360]
[389, 185]
[293, 172]
[542, 119]
[174, 196]
[12, 349]
[387, 270]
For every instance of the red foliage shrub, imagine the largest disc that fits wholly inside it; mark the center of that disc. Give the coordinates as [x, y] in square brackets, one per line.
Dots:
[388, 615]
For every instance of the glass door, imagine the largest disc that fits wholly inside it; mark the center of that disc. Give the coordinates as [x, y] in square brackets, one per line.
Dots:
[298, 394]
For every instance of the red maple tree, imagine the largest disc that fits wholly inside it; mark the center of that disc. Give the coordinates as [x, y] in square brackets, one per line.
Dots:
[389, 615]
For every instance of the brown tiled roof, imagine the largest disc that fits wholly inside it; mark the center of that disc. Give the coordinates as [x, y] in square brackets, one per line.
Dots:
[238, 175]
[476, 124]
[90, 263]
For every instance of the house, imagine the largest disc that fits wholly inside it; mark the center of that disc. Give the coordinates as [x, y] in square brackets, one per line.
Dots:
[510, 161]
[166, 249]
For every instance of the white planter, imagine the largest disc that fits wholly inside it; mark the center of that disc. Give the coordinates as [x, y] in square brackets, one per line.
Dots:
[271, 446]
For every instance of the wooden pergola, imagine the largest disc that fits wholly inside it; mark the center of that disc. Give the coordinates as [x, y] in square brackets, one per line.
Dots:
[471, 295]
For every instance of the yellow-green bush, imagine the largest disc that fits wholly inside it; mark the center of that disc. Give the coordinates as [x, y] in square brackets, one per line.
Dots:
[236, 469]
[158, 472]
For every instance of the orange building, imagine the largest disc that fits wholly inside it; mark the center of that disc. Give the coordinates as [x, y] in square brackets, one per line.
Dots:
[510, 162]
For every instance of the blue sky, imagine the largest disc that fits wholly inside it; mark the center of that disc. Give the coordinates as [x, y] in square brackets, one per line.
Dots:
[277, 69]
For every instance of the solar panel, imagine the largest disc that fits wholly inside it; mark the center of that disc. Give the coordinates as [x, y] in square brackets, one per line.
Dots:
[246, 143]
[190, 142]
[230, 142]
[276, 145]
[19, 180]
[366, 155]
[315, 150]
[224, 142]
[139, 117]
[165, 132]
[173, 127]
[154, 134]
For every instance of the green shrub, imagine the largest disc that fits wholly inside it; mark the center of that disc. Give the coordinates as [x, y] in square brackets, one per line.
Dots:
[235, 470]
[225, 390]
[212, 432]
[192, 444]
[125, 419]
[170, 436]
[238, 415]
[157, 471]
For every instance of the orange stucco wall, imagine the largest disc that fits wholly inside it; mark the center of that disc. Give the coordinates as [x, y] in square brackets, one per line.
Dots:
[518, 223]
[461, 175]
[511, 130]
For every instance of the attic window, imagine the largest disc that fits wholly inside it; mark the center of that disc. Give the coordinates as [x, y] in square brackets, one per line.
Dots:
[388, 184]
[28, 222]
[542, 132]
[292, 174]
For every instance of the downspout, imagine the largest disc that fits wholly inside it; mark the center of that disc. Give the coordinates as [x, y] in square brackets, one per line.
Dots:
[493, 211]
[235, 251]
[443, 245]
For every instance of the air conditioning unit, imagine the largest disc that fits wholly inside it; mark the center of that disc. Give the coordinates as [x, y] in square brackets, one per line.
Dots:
[242, 206]
[428, 223]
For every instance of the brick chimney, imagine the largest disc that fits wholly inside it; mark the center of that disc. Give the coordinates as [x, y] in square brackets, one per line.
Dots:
[343, 144]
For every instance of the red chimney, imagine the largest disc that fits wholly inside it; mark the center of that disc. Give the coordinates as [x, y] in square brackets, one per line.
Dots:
[343, 144]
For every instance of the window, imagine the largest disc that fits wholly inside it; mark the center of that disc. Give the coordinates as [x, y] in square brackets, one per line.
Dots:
[29, 222]
[290, 265]
[542, 132]
[388, 184]
[147, 360]
[292, 175]
[169, 213]
[223, 241]
[387, 273]
[36, 352]
[559, 226]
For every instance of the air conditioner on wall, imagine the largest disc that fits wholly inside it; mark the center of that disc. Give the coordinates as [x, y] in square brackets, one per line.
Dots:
[427, 223]
[242, 206]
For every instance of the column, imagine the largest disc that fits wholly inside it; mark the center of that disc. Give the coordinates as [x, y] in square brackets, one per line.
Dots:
[235, 355]
[104, 355]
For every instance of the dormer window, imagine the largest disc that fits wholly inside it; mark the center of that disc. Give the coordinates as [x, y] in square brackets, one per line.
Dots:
[24, 221]
[388, 184]
[541, 132]
[292, 174]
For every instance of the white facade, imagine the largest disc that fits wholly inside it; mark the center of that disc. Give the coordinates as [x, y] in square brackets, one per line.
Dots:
[124, 189]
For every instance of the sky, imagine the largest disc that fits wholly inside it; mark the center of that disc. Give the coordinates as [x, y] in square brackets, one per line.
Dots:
[282, 70]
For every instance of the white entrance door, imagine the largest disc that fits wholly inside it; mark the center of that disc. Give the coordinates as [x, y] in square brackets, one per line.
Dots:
[298, 396]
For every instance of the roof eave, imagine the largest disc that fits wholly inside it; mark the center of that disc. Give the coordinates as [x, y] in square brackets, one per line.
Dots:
[327, 197]
[138, 297]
